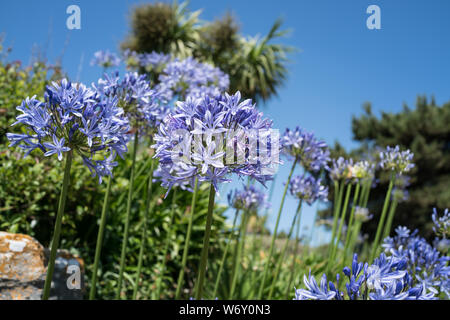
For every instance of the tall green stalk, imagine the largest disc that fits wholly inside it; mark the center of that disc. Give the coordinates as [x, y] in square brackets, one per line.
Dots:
[382, 218]
[341, 224]
[205, 248]
[57, 231]
[274, 235]
[225, 252]
[240, 252]
[387, 229]
[350, 222]
[98, 247]
[283, 251]
[186, 243]
[127, 217]
[338, 194]
[148, 210]
[291, 276]
[166, 246]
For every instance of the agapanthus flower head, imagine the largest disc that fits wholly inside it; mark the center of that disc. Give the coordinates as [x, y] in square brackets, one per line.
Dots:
[208, 139]
[154, 62]
[313, 154]
[131, 59]
[341, 169]
[414, 270]
[362, 214]
[144, 106]
[402, 232]
[74, 117]
[314, 291]
[441, 224]
[426, 267]
[249, 199]
[395, 160]
[308, 189]
[191, 78]
[105, 59]
[363, 170]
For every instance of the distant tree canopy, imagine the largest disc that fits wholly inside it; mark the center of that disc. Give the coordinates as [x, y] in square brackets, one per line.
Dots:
[424, 130]
[257, 67]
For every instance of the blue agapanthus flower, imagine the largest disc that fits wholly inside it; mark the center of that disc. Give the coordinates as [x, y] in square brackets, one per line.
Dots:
[190, 78]
[313, 154]
[313, 291]
[340, 169]
[144, 106]
[154, 61]
[308, 189]
[363, 170]
[425, 264]
[74, 117]
[249, 199]
[208, 139]
[105, 59]
[410, 269]
[441, 223]
[398, 161]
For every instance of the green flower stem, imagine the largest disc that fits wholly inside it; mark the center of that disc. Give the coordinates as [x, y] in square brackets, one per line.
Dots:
[127, 217]
[274, 235]
[283, 251]
[222, 262]
[57, 231]
[186, 243]
[166, 247]
[341, 224]
[294, 255]
[245, 217]
[382, 218]
[350, 222]
[98, 247]
[355, 234]
[205, 248]
[366, 199]
[387, 229]
[149, 204]
[338, 193]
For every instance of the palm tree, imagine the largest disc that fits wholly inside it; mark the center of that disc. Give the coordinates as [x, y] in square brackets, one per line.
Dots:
[257, 67]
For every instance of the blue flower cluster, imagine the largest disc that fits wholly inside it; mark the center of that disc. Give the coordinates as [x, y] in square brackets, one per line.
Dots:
[249, 199]
[441, 224]
[105, 59]
[308, 188]
[413, 270]
[153, 62]
[398, 161]
[191, 78]
[143, 105]
[190, 141]
[313, 154]
[340, 169]
[363, 170]
[74, 117]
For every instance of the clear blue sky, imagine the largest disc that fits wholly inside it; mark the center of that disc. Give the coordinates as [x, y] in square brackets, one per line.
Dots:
[340, 65]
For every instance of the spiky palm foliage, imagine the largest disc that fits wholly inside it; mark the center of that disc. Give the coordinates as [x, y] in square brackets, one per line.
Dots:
[163, 27]
[256, 66]
[259, 67]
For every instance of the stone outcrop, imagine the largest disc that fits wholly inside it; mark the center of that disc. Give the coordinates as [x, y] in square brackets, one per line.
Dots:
[23, 265]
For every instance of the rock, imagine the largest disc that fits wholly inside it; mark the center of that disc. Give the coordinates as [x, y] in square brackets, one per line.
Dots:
[23, 265]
